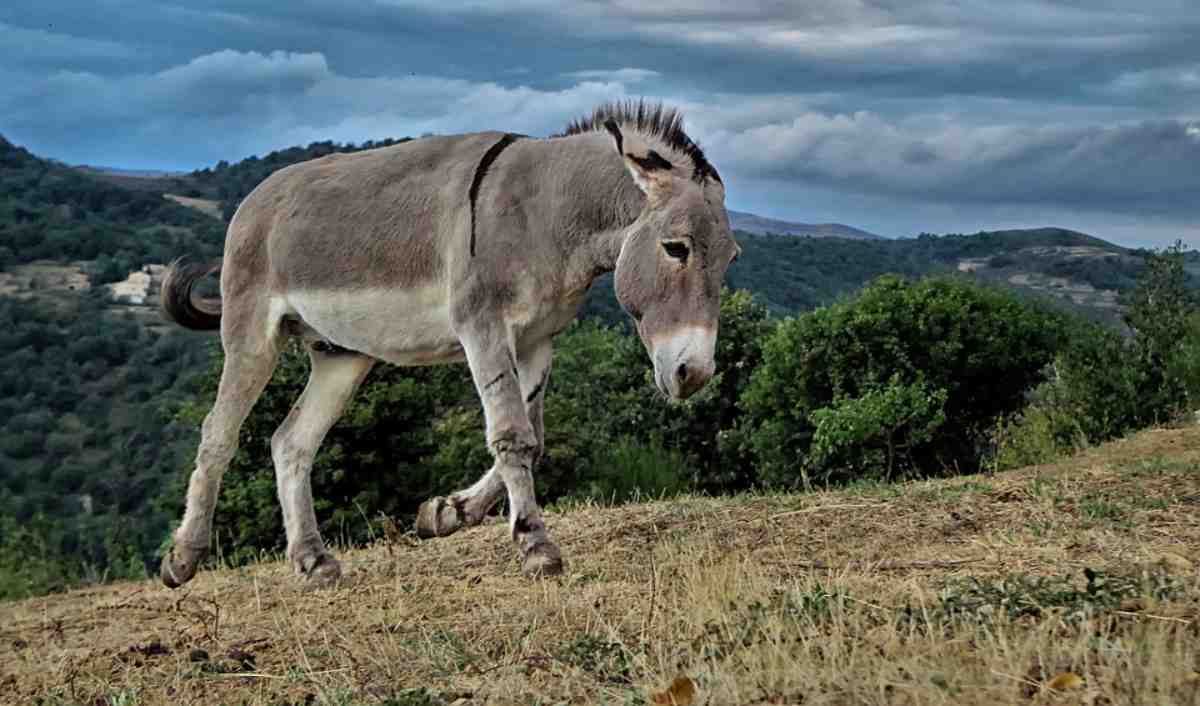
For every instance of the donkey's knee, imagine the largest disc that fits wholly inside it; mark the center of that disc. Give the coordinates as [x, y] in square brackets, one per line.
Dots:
[289, 453]
[515, 446]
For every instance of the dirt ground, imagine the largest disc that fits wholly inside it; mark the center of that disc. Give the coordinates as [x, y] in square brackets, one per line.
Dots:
[1072, 583]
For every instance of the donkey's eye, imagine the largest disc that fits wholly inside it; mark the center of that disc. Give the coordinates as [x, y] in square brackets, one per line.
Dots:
[677, 250]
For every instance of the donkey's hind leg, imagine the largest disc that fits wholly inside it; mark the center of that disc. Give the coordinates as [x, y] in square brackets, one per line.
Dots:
[244, 375]
[334, 378]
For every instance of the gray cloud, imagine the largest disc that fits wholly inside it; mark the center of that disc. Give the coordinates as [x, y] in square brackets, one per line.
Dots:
[625, 75]
[38, 47]
[1150, 164]
[229, 104]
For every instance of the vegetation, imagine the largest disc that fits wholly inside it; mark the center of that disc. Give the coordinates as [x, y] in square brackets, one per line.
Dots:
[903, 379]
[85, 446]
[52, 212]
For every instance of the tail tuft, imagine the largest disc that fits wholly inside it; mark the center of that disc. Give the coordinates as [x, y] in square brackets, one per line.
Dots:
[180, 306]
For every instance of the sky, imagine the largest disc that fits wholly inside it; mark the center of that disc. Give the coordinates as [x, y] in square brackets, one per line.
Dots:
[897, 116]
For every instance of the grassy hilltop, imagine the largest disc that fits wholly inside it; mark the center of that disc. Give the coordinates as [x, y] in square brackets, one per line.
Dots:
[1071, 583]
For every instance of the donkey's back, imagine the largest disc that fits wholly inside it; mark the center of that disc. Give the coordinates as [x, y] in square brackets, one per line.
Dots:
[381, 217]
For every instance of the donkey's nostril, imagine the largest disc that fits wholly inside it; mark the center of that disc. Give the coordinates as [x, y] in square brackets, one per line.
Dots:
[681, 372]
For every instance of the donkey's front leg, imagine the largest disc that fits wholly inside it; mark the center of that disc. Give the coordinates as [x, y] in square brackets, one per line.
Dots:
[514, 442]
[443, 516]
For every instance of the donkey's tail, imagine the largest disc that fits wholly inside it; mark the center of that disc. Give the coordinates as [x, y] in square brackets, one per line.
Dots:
[180, 306]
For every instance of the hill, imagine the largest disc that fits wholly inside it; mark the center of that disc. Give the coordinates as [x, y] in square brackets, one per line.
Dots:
[1068, 583]
[49, 211]
[759, 225]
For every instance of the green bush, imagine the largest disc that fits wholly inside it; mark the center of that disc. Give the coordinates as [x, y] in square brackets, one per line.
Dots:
[872, 432]
[1108, 383]
[911, 357]
[1040, 433]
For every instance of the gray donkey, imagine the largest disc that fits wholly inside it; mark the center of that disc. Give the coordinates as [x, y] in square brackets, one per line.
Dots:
[478, 247]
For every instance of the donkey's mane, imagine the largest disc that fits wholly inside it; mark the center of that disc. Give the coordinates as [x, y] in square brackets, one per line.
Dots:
[651, 119]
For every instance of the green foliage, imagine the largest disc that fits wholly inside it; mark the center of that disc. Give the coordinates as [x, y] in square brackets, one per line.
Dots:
[84, 443]
[1040, 433]
[1107, 383]
[52, 212]
[1017, 596]
[635, 470]
[958, 354]
[867, 433]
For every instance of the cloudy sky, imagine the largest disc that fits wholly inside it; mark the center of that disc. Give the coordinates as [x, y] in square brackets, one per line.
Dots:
[898, 116]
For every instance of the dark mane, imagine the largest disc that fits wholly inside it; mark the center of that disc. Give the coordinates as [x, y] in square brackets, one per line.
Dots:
[652, 119]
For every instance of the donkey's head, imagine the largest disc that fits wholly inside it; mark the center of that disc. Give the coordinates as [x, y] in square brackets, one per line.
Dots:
[674, 256]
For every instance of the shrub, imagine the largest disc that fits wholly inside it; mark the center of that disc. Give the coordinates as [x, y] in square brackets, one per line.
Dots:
[1107, 384]
[957, 354]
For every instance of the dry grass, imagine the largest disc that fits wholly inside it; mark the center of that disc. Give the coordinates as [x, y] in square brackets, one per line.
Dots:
[903, 594]
[208, 207]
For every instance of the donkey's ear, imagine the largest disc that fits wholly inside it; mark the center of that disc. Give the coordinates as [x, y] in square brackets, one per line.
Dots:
[651, 171]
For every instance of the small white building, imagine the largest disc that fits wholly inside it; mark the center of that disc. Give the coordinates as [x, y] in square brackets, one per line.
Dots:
[136, 288]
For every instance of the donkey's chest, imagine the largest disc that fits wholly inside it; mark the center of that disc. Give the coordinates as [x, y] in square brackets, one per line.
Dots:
[406, 327]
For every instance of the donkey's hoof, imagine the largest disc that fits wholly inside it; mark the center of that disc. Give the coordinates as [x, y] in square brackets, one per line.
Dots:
[542, 560]
[179, 566]
[438, 517]
[321, 571]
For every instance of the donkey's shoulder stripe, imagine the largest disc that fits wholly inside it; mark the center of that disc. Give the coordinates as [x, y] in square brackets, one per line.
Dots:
[484, 164]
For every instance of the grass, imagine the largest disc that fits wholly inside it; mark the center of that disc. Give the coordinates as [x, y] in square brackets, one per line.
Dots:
[1070, 583]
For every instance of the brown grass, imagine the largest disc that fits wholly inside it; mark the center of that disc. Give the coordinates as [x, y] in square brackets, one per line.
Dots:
[208, 207]
[900, 594]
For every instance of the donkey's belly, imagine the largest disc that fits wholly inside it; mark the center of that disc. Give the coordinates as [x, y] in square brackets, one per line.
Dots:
[405, 327]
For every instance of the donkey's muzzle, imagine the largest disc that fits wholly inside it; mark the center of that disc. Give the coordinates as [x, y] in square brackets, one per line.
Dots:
[683, 361]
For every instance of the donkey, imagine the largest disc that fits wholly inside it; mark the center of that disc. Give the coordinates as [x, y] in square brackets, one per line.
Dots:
[479, 247]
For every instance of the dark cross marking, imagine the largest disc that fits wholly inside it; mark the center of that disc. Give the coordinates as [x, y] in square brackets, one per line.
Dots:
[615, 131]
[538, 387]
[493, 382]
[484, 164]
[652, 162]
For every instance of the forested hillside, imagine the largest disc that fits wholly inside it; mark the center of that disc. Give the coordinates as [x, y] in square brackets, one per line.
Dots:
[49, 211]
[99, 403]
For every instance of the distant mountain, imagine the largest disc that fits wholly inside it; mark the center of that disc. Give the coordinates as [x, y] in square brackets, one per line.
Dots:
[750, 223]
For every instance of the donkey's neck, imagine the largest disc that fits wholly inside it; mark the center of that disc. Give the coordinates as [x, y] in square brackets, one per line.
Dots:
[598, 202]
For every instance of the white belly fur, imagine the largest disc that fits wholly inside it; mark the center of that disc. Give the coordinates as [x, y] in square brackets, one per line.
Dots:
[405, 327]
